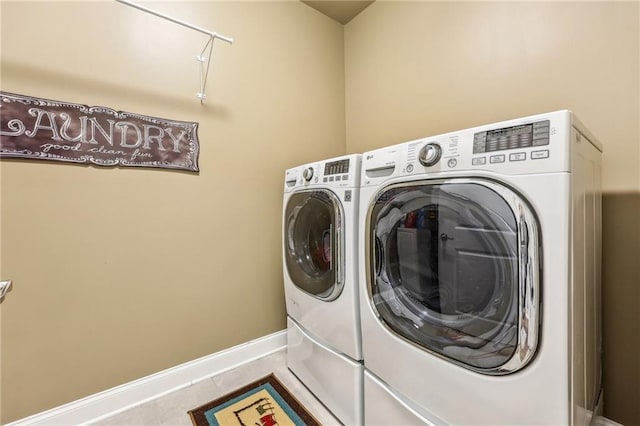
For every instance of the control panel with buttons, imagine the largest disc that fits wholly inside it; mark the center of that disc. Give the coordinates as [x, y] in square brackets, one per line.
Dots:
[513, 137]
[519, 137]
[535, 144]
[487, 148]
[531, 135]
[342, 172]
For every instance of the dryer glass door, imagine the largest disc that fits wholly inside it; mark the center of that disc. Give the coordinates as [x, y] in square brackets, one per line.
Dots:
[313, 243]
[453, 269]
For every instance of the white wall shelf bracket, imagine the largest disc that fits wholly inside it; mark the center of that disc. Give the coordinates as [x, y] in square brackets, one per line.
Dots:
[204, 71]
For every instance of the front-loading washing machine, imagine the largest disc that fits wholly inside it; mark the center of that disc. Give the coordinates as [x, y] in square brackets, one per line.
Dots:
[480, 265]
[320, 280]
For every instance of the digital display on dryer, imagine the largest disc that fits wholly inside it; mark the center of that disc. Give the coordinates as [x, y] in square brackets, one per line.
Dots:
[515, 137]
[336, 167]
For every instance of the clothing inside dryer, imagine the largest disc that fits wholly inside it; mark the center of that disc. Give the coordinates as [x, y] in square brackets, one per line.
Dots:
[446, 270]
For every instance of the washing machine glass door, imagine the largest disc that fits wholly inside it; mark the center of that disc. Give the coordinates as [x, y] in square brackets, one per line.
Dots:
[454, 270]
[313, 243]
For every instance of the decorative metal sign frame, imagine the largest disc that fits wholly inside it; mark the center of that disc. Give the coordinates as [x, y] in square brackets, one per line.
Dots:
[42, 129]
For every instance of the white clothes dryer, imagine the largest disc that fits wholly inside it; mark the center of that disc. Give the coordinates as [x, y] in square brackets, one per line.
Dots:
[480, 265]
[320, 280]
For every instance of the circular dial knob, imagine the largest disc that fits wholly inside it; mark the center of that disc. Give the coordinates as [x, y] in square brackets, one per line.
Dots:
[307, 174]
[430, 154]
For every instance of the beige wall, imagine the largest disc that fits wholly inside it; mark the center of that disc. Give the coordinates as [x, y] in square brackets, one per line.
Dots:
[120, 273]
[414, 69]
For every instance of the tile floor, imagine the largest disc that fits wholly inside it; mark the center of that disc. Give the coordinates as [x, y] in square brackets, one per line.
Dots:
[171, 409]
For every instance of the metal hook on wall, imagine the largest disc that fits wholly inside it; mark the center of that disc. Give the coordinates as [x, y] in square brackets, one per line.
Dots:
[204, 72]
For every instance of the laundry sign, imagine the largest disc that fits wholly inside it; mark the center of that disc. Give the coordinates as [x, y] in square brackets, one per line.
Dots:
[42, 129]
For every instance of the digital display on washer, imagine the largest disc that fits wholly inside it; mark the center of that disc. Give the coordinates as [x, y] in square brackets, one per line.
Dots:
[522, 136]
[336, 167]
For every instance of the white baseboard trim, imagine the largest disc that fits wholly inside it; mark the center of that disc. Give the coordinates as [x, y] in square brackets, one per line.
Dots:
[128, 395]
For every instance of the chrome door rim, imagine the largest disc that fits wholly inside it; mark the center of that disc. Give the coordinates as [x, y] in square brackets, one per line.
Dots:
[338, 285]
[529, 267]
